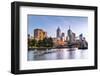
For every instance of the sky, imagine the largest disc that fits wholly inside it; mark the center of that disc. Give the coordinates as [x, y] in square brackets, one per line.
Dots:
[50, 24]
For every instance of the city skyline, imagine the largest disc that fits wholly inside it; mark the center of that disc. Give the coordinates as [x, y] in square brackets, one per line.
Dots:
[50, 24]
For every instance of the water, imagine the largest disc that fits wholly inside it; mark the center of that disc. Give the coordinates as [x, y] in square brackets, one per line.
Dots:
[54, 54]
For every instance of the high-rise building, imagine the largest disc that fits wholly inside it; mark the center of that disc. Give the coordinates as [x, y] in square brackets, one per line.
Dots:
[74, 36]
[69, 32]
[71, 35]
[63, 36]
[58, 32]
[81, 36]
[83, 42]
[39, 34]
[28, 36]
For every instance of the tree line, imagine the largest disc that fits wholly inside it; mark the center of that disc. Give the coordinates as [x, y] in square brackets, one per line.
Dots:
[46, 42]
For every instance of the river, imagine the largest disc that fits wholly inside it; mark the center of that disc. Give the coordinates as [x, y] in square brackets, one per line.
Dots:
[54, 54]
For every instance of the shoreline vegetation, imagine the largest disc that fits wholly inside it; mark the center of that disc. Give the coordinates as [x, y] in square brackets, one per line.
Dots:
[46, 43]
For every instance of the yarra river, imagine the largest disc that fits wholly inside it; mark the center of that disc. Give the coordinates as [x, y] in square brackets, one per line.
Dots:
[54, 54]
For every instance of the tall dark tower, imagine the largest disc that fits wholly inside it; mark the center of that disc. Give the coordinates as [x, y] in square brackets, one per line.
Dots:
[70, 35]
[58, 32]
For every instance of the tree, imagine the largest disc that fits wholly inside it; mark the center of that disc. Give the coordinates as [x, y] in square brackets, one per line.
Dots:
[29, 43]
[33, 42]
[45, 42]
[40, 43]
[50, 42]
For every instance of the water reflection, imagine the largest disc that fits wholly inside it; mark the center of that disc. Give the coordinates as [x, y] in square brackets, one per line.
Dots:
[54, 54]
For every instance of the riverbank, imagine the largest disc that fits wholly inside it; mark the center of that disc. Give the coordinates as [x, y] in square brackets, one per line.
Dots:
[44, 48]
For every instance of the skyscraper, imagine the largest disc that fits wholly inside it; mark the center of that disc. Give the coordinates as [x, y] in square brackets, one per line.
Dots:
[63, 36]
[28, 36]
[39, 34]
[58, 32]
[81, 36]
[71, 35]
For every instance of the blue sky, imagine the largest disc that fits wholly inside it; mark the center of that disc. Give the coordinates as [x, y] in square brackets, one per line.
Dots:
[50, 23]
